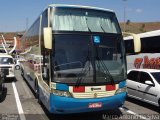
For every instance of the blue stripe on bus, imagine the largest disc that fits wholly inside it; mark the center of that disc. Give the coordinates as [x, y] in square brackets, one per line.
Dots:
[67, 105]
[122, 84]
[62, 87]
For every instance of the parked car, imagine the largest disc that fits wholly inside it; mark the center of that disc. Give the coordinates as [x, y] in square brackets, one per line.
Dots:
[8, 65]
[144, 85]
[17, 64]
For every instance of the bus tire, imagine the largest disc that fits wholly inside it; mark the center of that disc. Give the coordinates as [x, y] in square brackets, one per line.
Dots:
[38, 99]
[2, 84]
[1, 88]
[37, 91]
[22, 72]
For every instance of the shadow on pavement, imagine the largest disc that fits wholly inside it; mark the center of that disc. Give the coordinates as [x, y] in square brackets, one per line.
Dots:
[100, 115]
[4, 94]
[144, 104]
[10, 80]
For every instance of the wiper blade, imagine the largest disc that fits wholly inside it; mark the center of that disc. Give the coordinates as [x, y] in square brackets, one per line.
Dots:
[105, 69]
[84, 70]
[82, 74]
[106, 72]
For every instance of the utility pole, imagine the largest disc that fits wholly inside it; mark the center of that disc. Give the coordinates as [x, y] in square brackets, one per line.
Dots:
[125, 8]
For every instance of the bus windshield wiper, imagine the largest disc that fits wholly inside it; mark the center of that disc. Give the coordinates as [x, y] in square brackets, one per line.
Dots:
[85, 70]
[104, 68]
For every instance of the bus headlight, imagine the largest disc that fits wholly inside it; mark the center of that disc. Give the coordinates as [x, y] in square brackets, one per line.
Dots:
[120, 90]
[61, 93]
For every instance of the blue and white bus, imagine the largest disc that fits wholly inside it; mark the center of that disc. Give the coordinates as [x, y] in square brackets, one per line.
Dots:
[75, 59]
[149, 57]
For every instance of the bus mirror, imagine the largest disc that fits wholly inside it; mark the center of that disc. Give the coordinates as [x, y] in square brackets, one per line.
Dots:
[47, 37]
[45, 73]
[136, 40]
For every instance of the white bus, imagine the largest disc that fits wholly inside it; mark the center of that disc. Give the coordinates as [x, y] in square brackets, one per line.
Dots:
[149, 57]
[75, 59]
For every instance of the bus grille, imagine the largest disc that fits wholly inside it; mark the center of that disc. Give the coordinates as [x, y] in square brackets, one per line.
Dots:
[100, 94]
[5, 70]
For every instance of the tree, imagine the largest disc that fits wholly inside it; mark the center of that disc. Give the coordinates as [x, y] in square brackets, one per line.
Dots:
[128, 22]
[142, 28]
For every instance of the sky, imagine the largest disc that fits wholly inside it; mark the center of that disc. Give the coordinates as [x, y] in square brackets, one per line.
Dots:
[17, 15]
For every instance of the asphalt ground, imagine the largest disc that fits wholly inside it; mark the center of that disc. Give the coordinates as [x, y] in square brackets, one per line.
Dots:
[19, 103]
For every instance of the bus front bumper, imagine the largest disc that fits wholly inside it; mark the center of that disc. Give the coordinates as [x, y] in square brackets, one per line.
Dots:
[64, 105]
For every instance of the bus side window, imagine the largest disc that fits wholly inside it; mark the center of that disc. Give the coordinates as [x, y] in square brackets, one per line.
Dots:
[45, 68]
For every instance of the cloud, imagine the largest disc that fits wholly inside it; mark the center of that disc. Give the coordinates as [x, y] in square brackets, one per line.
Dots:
[139, 10]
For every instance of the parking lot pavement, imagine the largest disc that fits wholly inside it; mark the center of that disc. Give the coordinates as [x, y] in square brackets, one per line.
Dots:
[141, 107]
[8, 103]
[34, 111]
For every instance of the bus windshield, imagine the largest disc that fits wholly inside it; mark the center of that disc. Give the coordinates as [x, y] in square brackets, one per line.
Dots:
[86, 20]
[73, 54]
[6, 60]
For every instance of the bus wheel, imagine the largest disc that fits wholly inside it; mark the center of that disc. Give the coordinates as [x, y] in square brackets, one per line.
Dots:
[22, 72]
[1, 83]
[1, 88]
[36, 89]
[37, 92]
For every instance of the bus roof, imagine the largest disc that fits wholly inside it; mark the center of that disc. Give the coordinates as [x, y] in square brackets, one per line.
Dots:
[146, 34]
[79, 6]
[145, 70]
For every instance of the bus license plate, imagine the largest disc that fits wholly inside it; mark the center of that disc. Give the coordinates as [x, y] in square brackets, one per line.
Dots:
[95, 105]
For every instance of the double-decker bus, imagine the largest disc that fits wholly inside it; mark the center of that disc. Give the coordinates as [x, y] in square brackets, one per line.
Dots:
[75, 59]
[149, 57]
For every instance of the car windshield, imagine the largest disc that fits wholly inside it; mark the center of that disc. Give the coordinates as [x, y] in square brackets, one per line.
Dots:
[73, 53]
[6, 60]
[156, 75]
[86, 20]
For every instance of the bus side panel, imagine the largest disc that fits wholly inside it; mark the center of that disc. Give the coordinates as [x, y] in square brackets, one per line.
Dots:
[29, 80]
[44, 97]
[143, 61]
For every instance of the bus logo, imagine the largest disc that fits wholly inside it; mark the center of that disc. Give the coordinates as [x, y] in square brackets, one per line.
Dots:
[152, 63]
[95, 105]
[95, 95]
[138, 62]
[95, 89]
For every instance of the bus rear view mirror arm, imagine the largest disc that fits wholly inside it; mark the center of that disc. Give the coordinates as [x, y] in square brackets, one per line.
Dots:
[47, 32]
[136, 40]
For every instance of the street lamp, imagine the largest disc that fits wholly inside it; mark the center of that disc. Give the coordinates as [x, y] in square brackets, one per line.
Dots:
[125, 7]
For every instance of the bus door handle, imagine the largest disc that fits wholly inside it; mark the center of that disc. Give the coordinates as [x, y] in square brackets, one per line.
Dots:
[139, 86]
